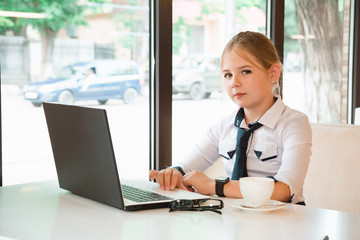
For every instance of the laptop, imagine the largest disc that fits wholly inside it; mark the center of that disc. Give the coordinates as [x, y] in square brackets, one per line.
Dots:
[86, 165]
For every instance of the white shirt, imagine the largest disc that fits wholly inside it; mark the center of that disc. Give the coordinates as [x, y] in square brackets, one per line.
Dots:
[283, 145]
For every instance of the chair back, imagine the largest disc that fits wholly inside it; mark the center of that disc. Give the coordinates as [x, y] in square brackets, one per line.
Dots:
[333, 177]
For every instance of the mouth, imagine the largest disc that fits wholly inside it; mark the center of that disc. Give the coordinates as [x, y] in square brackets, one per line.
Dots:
[239, 95]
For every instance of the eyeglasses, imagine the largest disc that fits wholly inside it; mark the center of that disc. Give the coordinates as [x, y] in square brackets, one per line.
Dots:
[197, 205]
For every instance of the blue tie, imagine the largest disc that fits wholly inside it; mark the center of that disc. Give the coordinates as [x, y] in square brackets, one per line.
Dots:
[241, 146]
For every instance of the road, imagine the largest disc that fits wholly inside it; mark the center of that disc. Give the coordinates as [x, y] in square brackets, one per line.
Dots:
[27, 154]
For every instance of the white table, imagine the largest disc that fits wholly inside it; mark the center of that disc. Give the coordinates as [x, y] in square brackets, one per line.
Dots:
[44, 211]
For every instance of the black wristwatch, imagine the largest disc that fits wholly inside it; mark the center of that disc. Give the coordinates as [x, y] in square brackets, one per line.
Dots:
[219, 188]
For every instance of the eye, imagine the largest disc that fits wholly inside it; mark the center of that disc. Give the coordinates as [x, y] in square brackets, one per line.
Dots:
[227, 75]
[246, 72]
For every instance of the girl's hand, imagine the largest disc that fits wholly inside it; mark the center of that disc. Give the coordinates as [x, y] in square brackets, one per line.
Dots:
[168, 178]
[199, 181]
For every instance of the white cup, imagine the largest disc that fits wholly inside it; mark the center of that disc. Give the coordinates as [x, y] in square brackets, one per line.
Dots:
[256, 191]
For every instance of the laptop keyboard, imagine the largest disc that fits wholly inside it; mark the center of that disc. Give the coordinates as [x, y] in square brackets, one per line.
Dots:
[141, 195]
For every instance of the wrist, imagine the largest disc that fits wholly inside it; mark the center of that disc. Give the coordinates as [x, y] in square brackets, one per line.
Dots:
[179, 169]
[219, 185]
[212, 189]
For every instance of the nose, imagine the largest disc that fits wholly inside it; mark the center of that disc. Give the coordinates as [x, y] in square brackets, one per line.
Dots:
[235, 81]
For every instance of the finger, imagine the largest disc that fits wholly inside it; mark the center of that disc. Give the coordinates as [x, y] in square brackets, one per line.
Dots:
[187, 182]
[160, 179]
[153, 174]
[168, 177]
[176, 180]
[182, 186]
[187, 186]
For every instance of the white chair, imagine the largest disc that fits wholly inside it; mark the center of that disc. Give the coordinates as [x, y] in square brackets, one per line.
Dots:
[333, 178]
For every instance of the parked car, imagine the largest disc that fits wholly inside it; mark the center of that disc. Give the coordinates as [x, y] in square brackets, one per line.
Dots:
[98, 80]
[197, 79]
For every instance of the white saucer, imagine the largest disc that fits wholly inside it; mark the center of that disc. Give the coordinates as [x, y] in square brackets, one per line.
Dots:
[271, 206]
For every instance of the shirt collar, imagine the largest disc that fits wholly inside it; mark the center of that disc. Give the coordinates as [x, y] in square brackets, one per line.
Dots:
[271, 116]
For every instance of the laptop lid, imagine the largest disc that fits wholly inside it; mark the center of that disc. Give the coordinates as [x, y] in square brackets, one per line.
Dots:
[83, 152]
[85, 160]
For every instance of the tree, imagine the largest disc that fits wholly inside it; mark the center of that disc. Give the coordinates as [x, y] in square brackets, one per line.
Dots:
[229, 8]
[5, 24]
[319, 24]
[58, 14]
[133, 16]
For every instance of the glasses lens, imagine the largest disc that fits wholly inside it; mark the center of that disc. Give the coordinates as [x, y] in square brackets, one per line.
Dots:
[211, 203]
[181, 204]
[208, 204]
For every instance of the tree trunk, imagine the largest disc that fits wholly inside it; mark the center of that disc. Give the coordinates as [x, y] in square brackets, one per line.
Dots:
[319, 23]
[142, 52]
[48, 40]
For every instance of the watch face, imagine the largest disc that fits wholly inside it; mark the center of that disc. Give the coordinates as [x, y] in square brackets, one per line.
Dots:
[222, 179]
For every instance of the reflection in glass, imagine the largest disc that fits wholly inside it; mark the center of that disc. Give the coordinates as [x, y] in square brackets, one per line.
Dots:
[200, 31]
[315, 58]
[73, 32]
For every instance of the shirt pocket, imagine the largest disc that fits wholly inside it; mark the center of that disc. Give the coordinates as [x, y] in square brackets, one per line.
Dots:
[265, 152]
[227, 151]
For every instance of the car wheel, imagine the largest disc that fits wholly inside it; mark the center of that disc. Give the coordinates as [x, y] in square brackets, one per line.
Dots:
[66, 97]
[35, 104]
[196, 92]
[130, 95]
[102, 102]
[207, 95]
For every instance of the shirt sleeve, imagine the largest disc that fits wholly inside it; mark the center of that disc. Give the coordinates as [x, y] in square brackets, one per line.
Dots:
[206, 152]
[297, 142]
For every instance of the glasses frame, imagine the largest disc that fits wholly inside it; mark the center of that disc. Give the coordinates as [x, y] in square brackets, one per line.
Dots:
[196, 205]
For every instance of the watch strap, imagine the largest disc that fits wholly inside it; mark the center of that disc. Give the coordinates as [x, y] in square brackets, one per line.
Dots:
[179, 169]
[219, 187]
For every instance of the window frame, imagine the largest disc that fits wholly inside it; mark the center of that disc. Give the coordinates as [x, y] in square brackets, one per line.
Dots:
[275, 29]
[160, 86]
[161, 70]
[354, 60]
[1, 171]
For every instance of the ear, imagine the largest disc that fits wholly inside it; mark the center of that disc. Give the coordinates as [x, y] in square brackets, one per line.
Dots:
[275, 71]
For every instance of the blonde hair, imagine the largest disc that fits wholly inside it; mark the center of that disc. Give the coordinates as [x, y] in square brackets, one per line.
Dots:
[259, 46]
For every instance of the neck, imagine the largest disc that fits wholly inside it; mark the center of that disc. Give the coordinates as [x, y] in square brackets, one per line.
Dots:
[253, 114]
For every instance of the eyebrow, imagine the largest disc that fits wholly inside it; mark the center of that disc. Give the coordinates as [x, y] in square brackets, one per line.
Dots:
[239, 68]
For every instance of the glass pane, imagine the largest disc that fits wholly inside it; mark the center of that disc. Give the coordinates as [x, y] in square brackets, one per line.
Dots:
[201, 30]
[316, 58]
[97, 58]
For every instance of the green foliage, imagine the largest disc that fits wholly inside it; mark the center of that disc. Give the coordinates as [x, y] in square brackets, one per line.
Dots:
[132, 24]
[290, 28]
[212, 7]
[180, 34]
[59, 14]
[5, 24]
[181, 30]
[177, 40]
[341, 11]
[260, 4]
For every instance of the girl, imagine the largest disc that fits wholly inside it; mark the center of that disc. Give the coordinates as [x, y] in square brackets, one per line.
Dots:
[278, 147]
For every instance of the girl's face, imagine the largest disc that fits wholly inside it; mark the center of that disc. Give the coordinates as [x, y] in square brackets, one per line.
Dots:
[248, 84]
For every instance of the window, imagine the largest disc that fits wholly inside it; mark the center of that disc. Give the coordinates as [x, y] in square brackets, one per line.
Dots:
[100, 35]
[199, 33]
[316, 59]
[201, 30]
